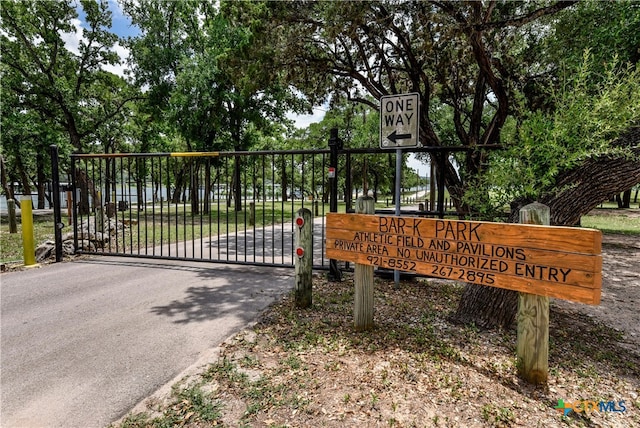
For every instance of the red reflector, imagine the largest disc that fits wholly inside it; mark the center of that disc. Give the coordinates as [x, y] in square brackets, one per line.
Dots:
[300, 221]
[299, 252]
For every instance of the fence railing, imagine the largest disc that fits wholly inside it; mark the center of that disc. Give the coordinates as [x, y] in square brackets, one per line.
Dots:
[224, 207]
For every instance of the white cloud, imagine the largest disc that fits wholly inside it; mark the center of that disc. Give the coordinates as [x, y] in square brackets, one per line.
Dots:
[72, 42]
[120, 68]
[304, 120]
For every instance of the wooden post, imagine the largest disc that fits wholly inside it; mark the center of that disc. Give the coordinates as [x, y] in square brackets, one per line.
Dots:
[304, 258]
[13, 224]
[363, 279]
[532, 349]
[252, 213]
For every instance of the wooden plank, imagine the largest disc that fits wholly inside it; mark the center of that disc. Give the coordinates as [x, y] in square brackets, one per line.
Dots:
[343, 239]
[526, 258]
[581, 275]
[566, 239]
[576, 293]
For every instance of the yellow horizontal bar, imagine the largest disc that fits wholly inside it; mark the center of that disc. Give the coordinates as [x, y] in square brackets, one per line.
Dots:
[193, 154]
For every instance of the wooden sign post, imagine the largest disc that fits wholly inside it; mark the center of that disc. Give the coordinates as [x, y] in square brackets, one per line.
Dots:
[532, 346]
[304, 258]
[363, 279]
[533, 258]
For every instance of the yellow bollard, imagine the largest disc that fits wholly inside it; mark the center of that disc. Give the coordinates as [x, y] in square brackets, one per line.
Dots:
[28, 245]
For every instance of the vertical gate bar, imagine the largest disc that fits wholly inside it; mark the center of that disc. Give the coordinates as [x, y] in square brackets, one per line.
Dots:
[176, 203]
[201, 201]
[191, 199]
[140, 198]
[227, 201]
[101, 199]
[110, 168]
[124, 185]
[196, 204]
[168, 162]
[115, 203]
[55, 191]
[208, 201]
[129, 205]
[99, 205]
[77, 196]
[243, 172]
[313, 198]
[284, 192]
[264, 208]
[234, 180]
[73, 202]
[273, 206]
[172, 201]
[199, 184]
[141, 190]
[218, 182]
[115, 199]
[152, 171]
[161, 185]
[91, 179]
[254, 184]
[349, 184]
[293, 208]
[322, 180]
[143, 185]
[185, 197]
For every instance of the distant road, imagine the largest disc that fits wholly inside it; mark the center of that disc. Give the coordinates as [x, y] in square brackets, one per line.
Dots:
[82, 342]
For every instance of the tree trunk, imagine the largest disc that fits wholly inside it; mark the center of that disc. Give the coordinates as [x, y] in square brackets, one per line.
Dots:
[83, 184]
[194, 186]
[626, 199]
[8, 190]
[576, 192]
[40, 181]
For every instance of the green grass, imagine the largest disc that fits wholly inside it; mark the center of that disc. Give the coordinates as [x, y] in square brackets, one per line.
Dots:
[621, 224]
[11, 249]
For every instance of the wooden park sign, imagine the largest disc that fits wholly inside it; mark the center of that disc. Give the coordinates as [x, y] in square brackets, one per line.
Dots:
[559, 262]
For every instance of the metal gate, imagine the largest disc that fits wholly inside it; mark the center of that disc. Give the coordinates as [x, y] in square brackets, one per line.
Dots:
[228, 207]
[224, 207]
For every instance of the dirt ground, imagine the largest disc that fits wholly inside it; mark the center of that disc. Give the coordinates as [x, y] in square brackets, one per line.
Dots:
[620, 305]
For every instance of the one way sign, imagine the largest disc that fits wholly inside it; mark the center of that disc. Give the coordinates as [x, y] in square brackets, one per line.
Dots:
[399, 121]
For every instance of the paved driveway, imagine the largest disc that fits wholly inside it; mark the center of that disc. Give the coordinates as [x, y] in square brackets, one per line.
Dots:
[82, 342]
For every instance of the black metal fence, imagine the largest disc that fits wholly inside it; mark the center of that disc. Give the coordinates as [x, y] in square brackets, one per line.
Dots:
[233, 207]
[226, 207]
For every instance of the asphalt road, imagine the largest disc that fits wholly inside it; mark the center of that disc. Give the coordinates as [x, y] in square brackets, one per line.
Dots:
[82, 342]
